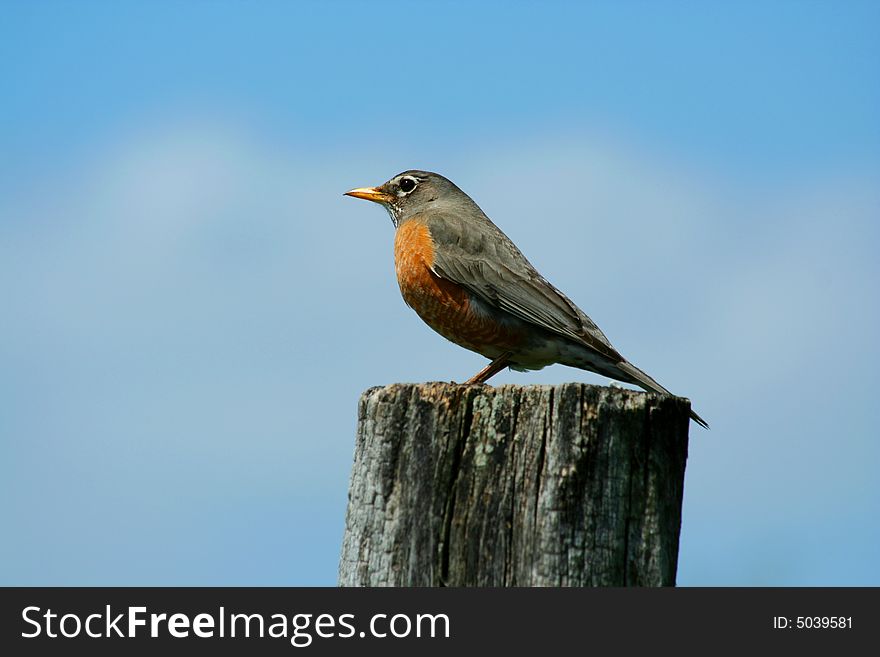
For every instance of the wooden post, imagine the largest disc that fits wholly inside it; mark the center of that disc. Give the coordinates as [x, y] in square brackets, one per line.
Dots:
[568, 485]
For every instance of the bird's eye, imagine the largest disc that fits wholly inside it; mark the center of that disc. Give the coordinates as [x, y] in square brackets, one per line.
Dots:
[407, 185]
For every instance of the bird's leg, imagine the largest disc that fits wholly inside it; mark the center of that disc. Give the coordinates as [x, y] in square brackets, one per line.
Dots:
[490, 370]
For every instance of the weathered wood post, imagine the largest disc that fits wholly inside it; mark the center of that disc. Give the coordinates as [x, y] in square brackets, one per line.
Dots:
[568, 485]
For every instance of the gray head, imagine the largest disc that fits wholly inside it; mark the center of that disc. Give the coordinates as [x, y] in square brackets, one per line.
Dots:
[412, 192]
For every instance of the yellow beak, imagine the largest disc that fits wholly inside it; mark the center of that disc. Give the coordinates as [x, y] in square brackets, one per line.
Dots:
[373, 194]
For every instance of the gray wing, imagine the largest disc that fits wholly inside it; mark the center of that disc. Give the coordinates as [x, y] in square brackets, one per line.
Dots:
[484, 260]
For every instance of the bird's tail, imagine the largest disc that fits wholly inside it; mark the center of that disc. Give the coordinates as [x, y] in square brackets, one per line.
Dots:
[633, 374]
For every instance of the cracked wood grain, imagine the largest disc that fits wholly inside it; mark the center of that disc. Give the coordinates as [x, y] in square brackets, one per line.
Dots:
[567, 485]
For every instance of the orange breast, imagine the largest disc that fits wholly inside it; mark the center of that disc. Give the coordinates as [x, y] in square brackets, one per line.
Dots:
[443, 305]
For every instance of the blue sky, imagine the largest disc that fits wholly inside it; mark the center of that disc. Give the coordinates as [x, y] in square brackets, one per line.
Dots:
[192, 308]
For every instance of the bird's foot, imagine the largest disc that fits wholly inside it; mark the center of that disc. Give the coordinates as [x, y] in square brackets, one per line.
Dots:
[490, 370]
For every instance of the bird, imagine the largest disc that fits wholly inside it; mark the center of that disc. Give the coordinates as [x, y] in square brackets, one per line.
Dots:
[470, 283]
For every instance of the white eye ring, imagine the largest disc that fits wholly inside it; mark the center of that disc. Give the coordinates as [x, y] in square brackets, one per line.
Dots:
[407, 179]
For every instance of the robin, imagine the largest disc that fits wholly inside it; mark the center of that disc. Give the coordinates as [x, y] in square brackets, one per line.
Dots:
[469, 282]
